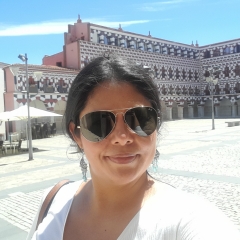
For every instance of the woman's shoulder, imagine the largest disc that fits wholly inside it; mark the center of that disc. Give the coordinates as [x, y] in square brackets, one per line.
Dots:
[193, 215]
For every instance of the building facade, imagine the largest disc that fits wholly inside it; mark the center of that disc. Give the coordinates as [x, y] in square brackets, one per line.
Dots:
[179, 69]
[50, 93]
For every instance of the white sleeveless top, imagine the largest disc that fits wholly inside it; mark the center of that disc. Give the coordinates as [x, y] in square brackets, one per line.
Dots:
[174, 216]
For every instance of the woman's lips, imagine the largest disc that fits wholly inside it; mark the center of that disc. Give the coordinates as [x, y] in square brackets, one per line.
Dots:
[122, 159]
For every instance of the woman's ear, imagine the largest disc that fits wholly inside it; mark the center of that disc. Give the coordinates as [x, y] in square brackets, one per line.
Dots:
[75, 134]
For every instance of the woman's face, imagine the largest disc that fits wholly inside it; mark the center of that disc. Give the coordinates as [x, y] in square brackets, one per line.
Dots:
[123, 156]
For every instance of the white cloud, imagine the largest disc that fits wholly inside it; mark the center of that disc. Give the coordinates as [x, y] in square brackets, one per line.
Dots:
[116, 24]
[161, 5]
[57, 27]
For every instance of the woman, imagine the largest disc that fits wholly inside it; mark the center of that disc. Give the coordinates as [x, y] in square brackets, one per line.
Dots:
[113, 115]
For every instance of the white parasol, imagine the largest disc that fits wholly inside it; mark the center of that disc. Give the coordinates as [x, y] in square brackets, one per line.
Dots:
[22, 113]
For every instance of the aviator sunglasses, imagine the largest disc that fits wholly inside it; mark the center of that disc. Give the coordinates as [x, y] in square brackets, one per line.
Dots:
[95, 126]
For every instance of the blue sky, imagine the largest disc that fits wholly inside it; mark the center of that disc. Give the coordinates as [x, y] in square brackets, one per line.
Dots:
[36, 27]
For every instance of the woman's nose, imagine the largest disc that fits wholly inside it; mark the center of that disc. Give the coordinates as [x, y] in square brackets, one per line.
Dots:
[121, 135]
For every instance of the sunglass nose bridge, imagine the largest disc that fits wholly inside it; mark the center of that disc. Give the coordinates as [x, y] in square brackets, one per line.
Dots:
[123, 117]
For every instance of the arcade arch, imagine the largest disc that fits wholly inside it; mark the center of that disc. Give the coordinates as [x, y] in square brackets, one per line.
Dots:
[38, 104]
[225, 108]
[59, 108]
[208, 108]
[174, 111]
[238, 107]
[163, 110]
[185, 110]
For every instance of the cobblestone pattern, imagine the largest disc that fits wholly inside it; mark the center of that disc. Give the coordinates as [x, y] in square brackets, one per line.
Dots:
[211, 161]
[20, 209]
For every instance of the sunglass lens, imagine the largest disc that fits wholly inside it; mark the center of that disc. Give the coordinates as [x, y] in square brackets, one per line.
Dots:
[95, 126]
[142, 120]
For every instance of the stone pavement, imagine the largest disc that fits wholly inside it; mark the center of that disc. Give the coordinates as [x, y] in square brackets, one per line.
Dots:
[193, 158]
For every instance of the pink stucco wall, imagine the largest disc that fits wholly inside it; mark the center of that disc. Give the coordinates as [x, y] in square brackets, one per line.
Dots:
[72, 55]
[10, 80]
[53, 59]
[82, 31]
[78, 31]
[9, 106]
[10, 89]
[9, 101]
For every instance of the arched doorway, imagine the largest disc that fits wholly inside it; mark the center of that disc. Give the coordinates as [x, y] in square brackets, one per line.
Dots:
[38, 104]
[195, 110]
[59, 108]
[225, 108]
[174, 111]
[238, 107]
[185, 110]
[208, 108]
[163, 110]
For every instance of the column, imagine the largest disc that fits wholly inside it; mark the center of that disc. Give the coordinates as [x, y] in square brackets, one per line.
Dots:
[169, 113]
[200, 111]
[180, 112]
[234, 110]
[190, 111]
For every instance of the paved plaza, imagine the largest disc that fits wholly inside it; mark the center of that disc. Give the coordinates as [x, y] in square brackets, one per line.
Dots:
[193, 158]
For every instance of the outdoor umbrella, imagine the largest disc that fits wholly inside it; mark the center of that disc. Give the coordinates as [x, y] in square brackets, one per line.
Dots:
[8, 116]
[22, 113]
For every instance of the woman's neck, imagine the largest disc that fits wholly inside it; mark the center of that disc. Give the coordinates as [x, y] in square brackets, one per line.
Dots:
[106, 195]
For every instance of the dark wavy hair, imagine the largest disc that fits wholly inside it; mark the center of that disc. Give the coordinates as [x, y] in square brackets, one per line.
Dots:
[111, 68]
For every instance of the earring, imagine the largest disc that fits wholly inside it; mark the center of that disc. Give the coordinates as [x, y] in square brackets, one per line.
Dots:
[83, 166]
[155, 161]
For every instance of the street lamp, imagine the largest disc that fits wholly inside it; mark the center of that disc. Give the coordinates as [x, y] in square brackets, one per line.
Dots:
[37, 76]
[212, 80]
[24, 58]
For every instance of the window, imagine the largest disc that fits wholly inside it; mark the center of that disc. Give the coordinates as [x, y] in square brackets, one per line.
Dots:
[237, 70]
[216, 53]
[226, 89]
[237, 87]
[206, 74]
[190, 75]
[237, 49]
[122, 43]
[105, 40]
[131, 44]
[217, 89]
[170, 73]
[31, 81]
[177, 74]
[116, 41]
[59, 64]
[163, 72]
[184, 74]
[226, 51]
[196, 75]
[207, 54]
[226, 71]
